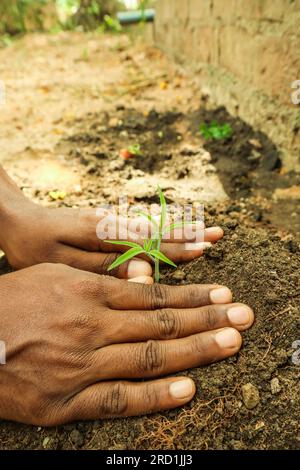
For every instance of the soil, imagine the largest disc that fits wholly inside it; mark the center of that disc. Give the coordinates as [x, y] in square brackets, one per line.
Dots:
[248, 192]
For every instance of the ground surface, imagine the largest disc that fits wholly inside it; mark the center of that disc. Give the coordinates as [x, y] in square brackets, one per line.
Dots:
[73, 102]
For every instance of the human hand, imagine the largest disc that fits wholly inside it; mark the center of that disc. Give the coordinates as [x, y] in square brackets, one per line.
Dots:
[75, 344]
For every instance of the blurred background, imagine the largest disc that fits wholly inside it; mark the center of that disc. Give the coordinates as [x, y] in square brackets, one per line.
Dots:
[20, 16]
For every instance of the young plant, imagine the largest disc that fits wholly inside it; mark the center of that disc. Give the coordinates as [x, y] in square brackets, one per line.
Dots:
[215, 131]
[131, 151]
[151, 247]
[135, 149]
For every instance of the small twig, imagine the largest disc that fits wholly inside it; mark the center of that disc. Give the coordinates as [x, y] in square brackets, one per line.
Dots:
[269, 342]
[286, 310]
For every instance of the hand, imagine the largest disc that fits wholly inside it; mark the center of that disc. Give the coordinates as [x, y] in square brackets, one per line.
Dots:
[75, 344]
[31, 234]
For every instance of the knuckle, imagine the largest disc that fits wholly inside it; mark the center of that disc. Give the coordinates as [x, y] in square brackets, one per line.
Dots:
[198, 346]
[39, 411]
[209, 317]
[150, 357]
[107, 261]
[89, 284]
[114, 401]
[82, 322]
[151, 397]
[167, 324]
[158, 296]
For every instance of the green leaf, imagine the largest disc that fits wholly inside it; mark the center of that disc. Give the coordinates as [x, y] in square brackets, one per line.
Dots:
[158, 255]
[205, 131]
[125, 257]
[119, 242]
[163, 205]
[148, 245]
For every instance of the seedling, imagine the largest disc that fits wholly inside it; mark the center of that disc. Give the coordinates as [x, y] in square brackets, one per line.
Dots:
[135, 149]
[131, 151]
[151, 247]
[215, 131]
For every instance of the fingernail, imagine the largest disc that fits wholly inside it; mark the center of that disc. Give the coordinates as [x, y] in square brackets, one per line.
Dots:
[227, 338]
[239, 315]
[199, 246]
[182, 389]
[221, 295]
[138, 268]
[142, 280]
[217, 231]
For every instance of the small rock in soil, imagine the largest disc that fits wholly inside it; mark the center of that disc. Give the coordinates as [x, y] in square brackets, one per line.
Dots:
[179, 275]
[292, 246]
[250, 396]
[77, 438]
[91, 169]
[275, 386]
[271, 297]
[231, 225]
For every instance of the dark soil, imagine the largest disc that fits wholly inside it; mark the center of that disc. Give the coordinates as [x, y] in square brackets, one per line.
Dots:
[245, 160]
[259, 259]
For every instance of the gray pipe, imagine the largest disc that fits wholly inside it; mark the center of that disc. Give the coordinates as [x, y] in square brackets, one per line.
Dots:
[136, 16]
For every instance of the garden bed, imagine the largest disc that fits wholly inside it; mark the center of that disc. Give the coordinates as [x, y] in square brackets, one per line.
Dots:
[259, 259]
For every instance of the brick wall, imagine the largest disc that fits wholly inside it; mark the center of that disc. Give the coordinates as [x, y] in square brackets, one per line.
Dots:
[247, 53]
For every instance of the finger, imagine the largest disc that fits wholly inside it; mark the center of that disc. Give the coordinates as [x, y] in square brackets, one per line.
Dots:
[100, 262]
[130, 296]
[154, 358]
[213, 234]
[81, 229]
[177, 252]
[168, 323]
[194, 234]
[182, 252]
[140, 229]
[120, 399]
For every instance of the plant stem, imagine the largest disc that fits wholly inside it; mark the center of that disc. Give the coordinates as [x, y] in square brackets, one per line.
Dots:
[157, 262]
[156, 270]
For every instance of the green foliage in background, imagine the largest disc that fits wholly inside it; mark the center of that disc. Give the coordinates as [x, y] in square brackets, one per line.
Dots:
[21, 16]
[16, 16]
[92, 13]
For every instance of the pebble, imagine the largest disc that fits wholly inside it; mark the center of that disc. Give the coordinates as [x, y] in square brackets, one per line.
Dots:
[124, 134]
[250, 396]
[113, 122]
[275, 386]
[271, 297]
[78, 190]
[179, 275]
[231, 225]
[77, 438]
[116, 165]
[46, 442]
[292, 246]
[91, 169]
